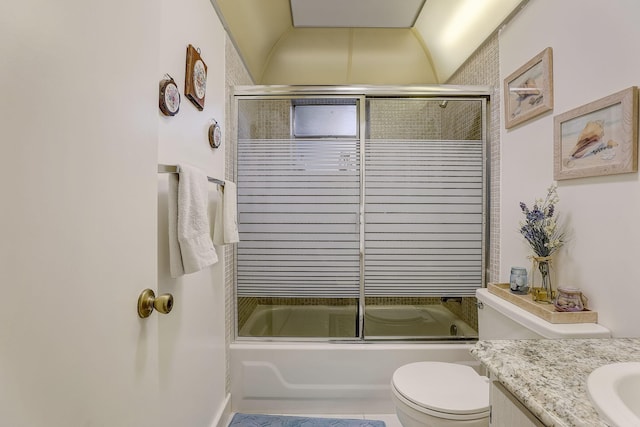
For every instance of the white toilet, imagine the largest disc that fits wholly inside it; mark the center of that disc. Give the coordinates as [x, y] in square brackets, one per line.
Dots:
[439, 394]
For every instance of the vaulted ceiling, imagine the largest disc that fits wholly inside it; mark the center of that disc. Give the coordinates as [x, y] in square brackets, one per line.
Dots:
[336, 42]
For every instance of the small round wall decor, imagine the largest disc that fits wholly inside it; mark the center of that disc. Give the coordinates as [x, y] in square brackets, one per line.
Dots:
[215, 135]
[169, 100]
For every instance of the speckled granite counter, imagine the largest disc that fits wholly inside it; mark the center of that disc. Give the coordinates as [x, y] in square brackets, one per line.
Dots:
[550, 376]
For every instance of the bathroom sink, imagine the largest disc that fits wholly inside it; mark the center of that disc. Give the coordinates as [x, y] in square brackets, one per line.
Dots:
[615, 392]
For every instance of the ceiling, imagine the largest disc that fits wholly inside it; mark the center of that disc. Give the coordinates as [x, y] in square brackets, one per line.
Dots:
[341, 13]
[337, 42]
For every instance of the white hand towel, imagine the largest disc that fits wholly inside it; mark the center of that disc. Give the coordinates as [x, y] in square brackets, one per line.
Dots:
[225, 229]
[175, 257]
[190, 245]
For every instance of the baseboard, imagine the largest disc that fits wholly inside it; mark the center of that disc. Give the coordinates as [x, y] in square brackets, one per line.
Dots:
[224, 412]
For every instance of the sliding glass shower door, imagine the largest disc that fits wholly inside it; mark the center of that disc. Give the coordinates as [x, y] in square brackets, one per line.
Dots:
[298, 262]
[360, 216]
[424, 210]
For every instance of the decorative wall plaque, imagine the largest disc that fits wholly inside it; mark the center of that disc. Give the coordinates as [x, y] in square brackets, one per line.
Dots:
[195, 85]
[215, 135]
[169, 97]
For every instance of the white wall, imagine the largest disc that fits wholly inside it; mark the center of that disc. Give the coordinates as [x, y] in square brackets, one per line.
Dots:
[192, 338]
[595, 54]
[81, 233]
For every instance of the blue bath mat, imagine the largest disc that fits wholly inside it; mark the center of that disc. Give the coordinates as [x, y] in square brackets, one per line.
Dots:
[257, 420]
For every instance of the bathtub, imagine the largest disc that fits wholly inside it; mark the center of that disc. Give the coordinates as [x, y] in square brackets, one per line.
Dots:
[328, 377]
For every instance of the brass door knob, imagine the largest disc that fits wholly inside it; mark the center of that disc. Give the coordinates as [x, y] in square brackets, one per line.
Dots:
[147, 301]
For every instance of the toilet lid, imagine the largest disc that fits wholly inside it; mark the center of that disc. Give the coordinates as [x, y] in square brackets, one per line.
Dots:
[444, 387]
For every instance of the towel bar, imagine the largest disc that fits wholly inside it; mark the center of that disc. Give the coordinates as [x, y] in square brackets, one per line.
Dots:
[174, 169]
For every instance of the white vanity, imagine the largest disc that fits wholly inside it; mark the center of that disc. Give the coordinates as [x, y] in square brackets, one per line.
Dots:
[506, 409]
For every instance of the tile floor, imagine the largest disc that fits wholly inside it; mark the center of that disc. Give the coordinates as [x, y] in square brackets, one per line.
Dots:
[391, 420]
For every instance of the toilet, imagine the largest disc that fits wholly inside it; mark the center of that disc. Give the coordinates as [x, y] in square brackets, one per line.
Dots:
[441, 394]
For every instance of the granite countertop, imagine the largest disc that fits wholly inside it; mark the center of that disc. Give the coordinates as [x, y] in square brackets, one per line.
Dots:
[550, 376]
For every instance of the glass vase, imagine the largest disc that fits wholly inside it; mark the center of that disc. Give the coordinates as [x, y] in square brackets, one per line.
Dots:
[541, 287]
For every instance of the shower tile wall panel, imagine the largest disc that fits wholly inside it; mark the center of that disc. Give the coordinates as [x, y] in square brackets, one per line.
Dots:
[482, 68]
[469, 312]
[271, 121]
[305, 301]
[245, 307]
[401, 300]
[384, 120]
[235, 74]
[460, 121]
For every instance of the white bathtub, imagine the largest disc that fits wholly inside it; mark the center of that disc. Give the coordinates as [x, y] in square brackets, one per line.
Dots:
[327, 378]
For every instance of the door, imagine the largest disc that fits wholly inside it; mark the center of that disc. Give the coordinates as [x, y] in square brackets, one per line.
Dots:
[78, 217]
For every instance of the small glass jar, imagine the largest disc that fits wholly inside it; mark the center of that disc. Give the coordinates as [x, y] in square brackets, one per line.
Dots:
[569, 299]
[518, 281]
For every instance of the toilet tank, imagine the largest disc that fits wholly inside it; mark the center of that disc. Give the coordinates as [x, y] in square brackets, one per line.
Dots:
[500, 319]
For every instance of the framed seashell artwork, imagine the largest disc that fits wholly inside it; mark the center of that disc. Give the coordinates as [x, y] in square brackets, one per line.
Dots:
[528, 91]
[599, 138]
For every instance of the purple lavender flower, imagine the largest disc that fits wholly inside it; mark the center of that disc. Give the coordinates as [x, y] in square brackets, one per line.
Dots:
[535, 215]
[550, 211]
[539, 228]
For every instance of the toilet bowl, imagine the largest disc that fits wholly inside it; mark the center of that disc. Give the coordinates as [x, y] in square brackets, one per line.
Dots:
[438, 394]
[441, 394]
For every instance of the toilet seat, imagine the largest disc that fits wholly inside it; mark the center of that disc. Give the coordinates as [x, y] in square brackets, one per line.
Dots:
[445, 390]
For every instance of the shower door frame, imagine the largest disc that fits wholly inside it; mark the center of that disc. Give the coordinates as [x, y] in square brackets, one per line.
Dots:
[361, 93]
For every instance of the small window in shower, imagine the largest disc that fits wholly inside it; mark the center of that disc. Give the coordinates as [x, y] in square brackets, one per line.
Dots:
[318, 118]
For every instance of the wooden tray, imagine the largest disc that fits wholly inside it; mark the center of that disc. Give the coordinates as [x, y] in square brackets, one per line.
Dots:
[545, 311]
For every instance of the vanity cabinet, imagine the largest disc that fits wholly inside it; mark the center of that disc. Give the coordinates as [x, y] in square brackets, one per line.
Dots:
[507, 411]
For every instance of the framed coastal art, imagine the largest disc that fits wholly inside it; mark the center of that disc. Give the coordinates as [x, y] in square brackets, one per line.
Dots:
[528, 91]
[599, 138]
